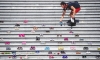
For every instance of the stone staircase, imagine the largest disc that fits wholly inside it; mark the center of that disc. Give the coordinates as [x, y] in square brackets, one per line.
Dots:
[26, 24]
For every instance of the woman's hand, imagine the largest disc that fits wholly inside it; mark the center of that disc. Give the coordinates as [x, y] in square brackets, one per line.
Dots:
[60, 20]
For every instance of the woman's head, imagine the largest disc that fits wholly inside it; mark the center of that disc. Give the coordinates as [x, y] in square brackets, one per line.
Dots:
[63, 4]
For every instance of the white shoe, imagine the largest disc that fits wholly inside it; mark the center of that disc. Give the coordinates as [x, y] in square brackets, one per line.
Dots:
[1, 39]
[72, 20]
[26, 57]
[88, 52]
[33, 31]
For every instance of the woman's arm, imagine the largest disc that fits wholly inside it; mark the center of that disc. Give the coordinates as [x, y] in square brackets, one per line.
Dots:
[73, 11]
[63, 15]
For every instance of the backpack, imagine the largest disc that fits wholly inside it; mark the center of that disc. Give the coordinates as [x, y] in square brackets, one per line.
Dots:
[69, 23]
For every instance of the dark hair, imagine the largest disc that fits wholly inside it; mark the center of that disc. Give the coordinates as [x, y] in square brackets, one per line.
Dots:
[62, 3]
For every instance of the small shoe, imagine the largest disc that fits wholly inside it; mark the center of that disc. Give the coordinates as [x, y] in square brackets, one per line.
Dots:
[71, 32]
[43, 25]
[61, 23]
[25, 21]
[1, 39]
[33, 31]
[16, 28]
[8, 32]
[60, 35]
[88, 52]
[1, 21]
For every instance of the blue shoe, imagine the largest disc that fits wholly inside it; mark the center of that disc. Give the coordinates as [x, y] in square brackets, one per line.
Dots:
[37, 51]
[61, 23]
[47, 48]
[64, 56]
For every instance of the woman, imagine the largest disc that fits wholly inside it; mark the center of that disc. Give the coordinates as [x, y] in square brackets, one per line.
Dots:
[73, 6]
